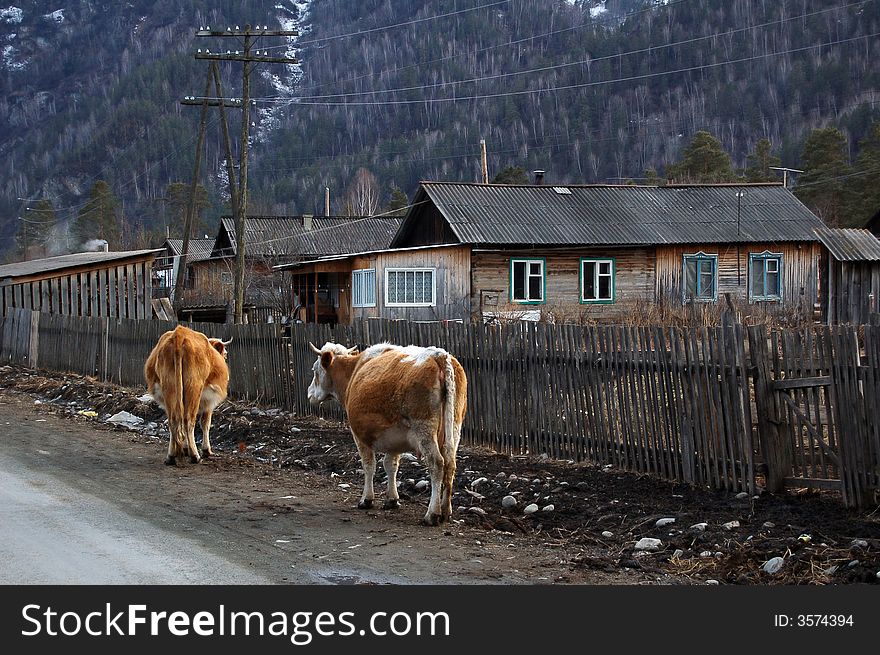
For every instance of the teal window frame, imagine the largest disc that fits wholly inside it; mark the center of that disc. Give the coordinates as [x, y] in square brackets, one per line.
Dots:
[528, 261]
[765, 257]
[701, 258]
[613, 275]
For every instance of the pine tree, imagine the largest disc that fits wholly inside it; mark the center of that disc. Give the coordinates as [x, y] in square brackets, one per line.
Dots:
[98, 218]
[511, 175]
[821, 186]
[703, 161]
[759, 163]
[864, 185]
[398, 202]
[651, 177]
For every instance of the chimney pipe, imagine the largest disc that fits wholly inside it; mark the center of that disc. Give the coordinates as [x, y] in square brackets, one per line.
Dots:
[307, 222]
[539, 177]
[326, 201]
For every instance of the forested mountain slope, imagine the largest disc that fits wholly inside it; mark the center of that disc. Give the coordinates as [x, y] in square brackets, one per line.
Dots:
[588, 91]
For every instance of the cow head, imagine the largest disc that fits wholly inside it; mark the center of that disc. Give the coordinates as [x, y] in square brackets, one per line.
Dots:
[322, 386]
[220, 346]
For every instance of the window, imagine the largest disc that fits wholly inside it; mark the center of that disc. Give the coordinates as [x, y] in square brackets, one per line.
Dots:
[700, 277]
[527, 280]
[765, 276]
[597, 280]
[409, 287]
[225, 277]
[363, 287]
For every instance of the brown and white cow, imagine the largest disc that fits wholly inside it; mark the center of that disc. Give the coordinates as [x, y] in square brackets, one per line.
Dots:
[398, 399]
[187, 375]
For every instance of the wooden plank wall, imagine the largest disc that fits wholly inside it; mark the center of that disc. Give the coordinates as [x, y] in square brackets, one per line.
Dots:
[854, 292]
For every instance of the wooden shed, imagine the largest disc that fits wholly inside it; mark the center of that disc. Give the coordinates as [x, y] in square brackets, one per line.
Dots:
[852, 271]
[113, 284]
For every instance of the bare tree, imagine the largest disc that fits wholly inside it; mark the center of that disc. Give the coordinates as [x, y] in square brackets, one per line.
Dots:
[362, 195]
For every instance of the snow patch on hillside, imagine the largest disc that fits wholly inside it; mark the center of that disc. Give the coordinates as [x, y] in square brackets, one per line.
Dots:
[284, 78]
[10, 62]
[11, 15]
[56, 16]
[598, 10]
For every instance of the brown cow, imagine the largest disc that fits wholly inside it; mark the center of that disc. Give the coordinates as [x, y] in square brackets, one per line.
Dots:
[187, 375]
[398, 400]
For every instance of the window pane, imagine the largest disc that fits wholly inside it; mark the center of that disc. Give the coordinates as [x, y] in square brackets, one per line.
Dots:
[707, 280]
[535, 291]
[757, 277]
[690, 282]
[772, 284]
[772, 264]
[589, 277]
[410, 295]
[535, 268]
[417, 286]
[519, 280]
[605, 268]
[428, 288]
[392, 286]
[604, 287]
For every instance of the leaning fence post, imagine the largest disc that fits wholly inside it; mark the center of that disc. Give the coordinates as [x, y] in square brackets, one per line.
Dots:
[34, 345]
[772, 432]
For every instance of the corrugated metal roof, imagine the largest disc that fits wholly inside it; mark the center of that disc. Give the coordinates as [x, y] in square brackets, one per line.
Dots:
[359, 235]
[619, 215]
[199, 249]
[279, 236]
[37, 266]
[850, 245]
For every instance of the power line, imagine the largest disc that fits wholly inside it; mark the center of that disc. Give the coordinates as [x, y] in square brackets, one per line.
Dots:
[581, 62]
[486, 96]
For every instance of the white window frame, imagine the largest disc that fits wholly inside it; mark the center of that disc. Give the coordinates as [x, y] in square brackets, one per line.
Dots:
[596, 275]
[358, 277]
[432, 271]
[528, 261]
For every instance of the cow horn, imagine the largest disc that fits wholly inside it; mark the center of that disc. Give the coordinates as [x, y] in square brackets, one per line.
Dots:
[316, 350]
[353, 350]
[226, 343]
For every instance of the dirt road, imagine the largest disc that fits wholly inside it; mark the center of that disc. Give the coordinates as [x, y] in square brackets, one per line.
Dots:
[82, 504]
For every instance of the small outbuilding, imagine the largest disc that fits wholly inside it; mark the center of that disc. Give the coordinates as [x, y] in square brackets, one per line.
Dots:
[113, 284]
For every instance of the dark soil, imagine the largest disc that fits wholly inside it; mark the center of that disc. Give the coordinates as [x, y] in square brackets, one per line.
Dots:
[821, 541]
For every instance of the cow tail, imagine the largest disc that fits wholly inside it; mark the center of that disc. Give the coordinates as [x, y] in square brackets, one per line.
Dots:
[447, 429]
[177, 400]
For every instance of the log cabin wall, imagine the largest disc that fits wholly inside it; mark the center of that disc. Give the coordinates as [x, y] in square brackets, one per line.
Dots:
[633, 281]
[800, 271]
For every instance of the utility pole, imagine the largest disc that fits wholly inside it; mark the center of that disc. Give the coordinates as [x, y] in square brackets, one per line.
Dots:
[484, 164]
[785, 171]
[248, 59]
[190, 209]
[326, 201]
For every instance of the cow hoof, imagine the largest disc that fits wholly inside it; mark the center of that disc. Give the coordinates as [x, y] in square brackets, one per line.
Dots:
[431, 520]
[391, 503]
[195, 459]
[366, 504]
[207, 453]
[170, 460]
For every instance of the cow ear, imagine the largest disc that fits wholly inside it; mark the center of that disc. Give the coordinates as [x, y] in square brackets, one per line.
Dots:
[326, 358]
[219, 346]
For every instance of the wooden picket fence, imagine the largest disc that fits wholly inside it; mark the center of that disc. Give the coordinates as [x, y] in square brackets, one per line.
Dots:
[701, 406]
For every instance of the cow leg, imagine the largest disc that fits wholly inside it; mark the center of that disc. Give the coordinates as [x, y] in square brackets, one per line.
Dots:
[368, 462]
[206, 429]
[173, 443]
[435, 463]
[391, 462]
[446, 490]
[191, 440]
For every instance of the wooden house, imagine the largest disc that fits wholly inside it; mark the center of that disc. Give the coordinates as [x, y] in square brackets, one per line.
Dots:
[852, 270]
[113, 284]
[165, 265]
[587, 252]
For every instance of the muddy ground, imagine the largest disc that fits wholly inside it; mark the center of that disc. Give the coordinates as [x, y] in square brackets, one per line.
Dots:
[589, 517]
